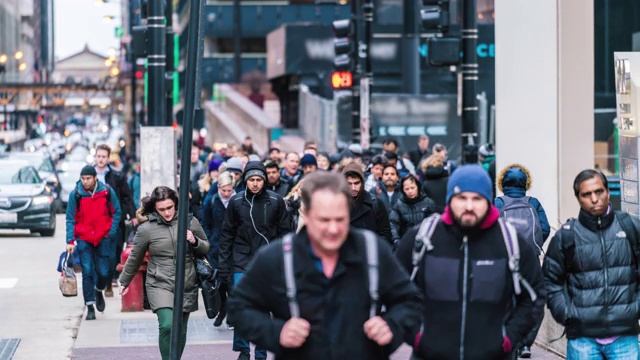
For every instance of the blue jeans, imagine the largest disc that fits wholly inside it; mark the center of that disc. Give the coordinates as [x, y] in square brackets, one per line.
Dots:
[95, 263]
[240, 344]
[624, 348]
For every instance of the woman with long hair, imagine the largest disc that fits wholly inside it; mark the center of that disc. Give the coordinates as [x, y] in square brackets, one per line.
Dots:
[294, 206]
[159, 235]
[410, 209]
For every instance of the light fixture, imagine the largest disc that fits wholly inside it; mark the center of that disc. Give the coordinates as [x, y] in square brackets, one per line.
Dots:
[107, 19]
[18, 55]
[111, 52]
[114, 72]
[22, 66]
[3, 58]
[108, 62]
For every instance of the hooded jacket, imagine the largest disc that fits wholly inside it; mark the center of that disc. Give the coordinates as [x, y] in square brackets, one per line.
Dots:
[95, 216]
[407, 213]
[600, 297]
[434, 185]
[467, 284]
[159, 237]
[250, 222]
[514, 181]
[367, 212]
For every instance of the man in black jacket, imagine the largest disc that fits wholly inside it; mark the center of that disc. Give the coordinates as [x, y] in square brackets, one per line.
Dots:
[275, 183]
[591, 274]
[254, 218]
[367, 212]
[118, 183]
[471, 308]
[388, 190]
[331, 274]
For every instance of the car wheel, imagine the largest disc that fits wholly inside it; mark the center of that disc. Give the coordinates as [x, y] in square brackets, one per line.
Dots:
[52, 230]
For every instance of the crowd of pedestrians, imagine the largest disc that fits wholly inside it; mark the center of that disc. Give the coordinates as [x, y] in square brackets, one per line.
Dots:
[349, 255]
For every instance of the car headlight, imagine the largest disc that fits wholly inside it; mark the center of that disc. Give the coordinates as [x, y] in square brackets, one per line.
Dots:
[41, 200]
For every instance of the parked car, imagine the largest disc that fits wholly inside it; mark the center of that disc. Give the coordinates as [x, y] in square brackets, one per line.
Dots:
[25, 201]
[46, 170]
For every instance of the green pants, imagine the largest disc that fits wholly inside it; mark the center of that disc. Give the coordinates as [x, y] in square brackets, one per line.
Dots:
[165, 320]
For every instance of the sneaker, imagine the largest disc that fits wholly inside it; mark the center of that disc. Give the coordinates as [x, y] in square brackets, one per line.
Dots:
[91, 313]
[525, 353]
[244, 356]
[100, 301]
[219, 319]
[108, 292]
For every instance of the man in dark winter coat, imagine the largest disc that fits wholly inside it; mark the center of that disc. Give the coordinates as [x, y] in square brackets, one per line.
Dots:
[254, 217]
[591, 274]
[367, 212]
[331, 274]
[275, 183]
[471, 309]
[388, 190]
[118, 183]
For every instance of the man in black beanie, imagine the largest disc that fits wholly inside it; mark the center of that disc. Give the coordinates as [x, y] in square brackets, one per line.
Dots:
[253, 218]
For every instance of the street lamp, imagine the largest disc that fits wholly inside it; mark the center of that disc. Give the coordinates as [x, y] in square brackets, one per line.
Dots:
[3, 58]
[18, 55]
[22, 66]
[107, 19]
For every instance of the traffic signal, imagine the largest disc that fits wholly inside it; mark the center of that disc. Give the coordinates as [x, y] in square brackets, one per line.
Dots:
[443, 51]
[343, 45]
[341, 79]
[435, 15]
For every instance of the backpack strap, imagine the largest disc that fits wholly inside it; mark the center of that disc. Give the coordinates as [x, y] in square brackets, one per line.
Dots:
[631, 232]
[568, 245]
[510, 237]
[289, 279]
[423, 241]
[371, 243]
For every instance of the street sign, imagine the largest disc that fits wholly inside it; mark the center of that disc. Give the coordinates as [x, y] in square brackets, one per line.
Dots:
[119, 31]
[365, 114]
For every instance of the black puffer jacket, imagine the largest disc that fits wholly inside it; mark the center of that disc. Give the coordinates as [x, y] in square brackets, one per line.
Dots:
[251, 221]
[407, 213]
[434, 186]
[603, 294]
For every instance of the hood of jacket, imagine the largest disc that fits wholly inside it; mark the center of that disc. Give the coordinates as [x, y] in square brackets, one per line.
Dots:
[255, 165]
[492, 216]
[353, 167]
[84, 193]
[436, 172]
[514, 176]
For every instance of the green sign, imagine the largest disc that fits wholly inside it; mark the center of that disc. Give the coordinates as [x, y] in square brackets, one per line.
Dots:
[119, 31]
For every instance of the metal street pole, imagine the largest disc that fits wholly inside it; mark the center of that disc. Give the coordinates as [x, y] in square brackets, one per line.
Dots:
[134, 129]
[156, 63]
[367, 80]
[192, 94]
[410, 44]
[356, 73]
[169, 74]
[469, 81]
[237, 45]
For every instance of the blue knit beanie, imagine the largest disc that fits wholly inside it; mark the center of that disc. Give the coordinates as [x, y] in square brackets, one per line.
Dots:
[470, 178]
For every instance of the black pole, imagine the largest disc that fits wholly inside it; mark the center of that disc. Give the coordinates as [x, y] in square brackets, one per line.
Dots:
[156, 63]
[134, 129]
[469, 81]
[356, 69]
[410, 44]
[170, 59]
[237, 45]
[185, 164]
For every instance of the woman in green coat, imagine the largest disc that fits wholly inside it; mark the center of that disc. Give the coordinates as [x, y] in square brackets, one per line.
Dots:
[159, 235]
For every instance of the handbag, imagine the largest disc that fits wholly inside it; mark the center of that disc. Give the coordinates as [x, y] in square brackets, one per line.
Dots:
[209, 285]
[68, 282]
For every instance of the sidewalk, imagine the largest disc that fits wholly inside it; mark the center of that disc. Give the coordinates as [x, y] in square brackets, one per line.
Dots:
[117, 335]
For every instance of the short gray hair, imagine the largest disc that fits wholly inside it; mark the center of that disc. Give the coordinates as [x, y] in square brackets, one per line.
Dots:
[226, 178]
[322, 180]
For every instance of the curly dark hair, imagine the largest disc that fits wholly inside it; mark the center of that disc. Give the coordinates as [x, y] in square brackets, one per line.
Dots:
[160, 193]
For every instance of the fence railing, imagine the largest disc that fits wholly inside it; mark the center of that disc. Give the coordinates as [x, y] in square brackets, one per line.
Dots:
[317, 119]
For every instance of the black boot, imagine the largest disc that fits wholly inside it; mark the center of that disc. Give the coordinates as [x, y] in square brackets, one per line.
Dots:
[221, 315]
[91, 313]
[100, 301]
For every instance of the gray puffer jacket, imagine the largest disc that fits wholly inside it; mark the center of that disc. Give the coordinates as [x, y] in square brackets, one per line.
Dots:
[598, 296]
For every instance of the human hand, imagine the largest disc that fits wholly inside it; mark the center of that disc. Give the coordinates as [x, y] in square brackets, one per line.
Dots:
[70, 248]
[123, 290]
[377, 330]
[134, 221]
[294, 333]
[190, 237]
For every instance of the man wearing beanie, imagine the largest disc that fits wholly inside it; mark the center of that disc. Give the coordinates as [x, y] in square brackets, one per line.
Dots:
[308, 164]
[254, 218]
[93, 217]
[367, 212]
[471, 308]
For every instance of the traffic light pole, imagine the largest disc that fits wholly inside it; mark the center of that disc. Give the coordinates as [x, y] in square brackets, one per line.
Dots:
[237, 45]
[169, 74]
[469, 81]
[356, 71]
[156, 63]
[410, 44]
[365, 87]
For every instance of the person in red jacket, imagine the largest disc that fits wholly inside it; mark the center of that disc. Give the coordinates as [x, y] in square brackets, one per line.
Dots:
[93, 216]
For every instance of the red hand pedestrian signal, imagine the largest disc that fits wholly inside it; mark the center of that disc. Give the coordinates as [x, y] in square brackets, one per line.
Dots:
[341, 79]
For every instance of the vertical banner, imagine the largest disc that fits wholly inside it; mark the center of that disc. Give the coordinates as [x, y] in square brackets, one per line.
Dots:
[365, 113]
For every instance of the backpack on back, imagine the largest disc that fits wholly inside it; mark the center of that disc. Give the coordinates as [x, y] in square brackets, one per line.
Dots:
[523, 216]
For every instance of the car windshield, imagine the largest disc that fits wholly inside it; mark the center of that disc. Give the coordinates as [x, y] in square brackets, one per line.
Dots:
[19, 175]
[38, 161]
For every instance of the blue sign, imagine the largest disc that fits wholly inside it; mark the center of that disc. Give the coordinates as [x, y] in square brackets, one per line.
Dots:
[483, 50]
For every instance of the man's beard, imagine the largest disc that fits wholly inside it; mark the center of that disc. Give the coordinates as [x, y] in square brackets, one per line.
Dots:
[468, 224]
